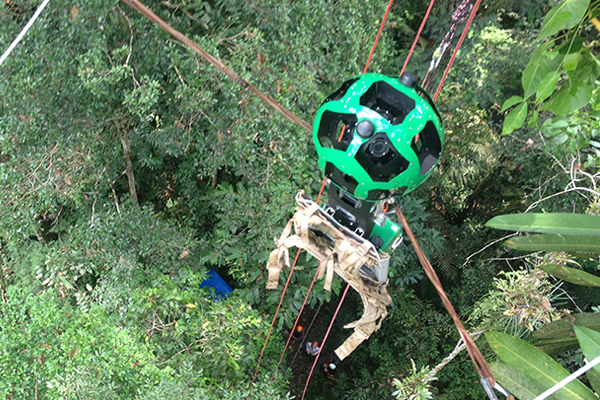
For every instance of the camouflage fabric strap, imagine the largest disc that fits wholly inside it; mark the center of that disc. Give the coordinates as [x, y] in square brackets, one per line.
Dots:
[346, 258]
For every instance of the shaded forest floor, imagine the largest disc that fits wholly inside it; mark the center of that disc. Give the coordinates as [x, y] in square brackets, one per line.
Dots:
[301, 363]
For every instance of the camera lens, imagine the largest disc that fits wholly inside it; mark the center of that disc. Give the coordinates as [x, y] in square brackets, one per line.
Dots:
[379, 148]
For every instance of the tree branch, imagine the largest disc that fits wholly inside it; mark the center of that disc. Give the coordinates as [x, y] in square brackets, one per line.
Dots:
[2, 283]
[129, 166]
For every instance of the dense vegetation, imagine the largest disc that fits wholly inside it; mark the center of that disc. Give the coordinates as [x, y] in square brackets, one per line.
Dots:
[129, 167]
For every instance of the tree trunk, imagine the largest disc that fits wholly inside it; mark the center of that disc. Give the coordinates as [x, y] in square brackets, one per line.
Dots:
[129, 166]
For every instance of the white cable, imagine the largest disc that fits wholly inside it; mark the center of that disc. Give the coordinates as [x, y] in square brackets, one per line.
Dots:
[568, 379]
[24, 31]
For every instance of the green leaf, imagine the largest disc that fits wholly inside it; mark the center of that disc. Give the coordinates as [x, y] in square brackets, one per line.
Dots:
[558, 345]
[589, 340]
[573, 45]
[547, 86]
[553, 242]
[584, 256]
[566, 101]
[559, 122]
[594, 379]
[572, 275]
[511, 102]
[570, 61]
[574, 82]
[587, 68]
[533, 120]
[537, 365]
[65, 282]
[563, 326]
[515, 119]
[560, 139]
[564, 15]
[558, 337]
[541, 63]
[559, 223]
[516, 382]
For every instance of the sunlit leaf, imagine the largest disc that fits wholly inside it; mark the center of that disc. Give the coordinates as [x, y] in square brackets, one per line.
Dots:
[566, 101]
[570, 61]
[558, 223]
[516, 382]
[511, 102]
[589, 340]
[547, 86]
[572, 275]
[554, 242]
[536, 364]
[541, 63]
[515, 119]
[564, 15]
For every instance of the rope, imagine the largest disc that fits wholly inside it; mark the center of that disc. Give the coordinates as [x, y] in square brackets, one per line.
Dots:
[325, 339]
[24, 31]
[296, 323]
[281, 301]
[305, 336]
[480, 364]
[320, 192]
[458, 17]
[412, 48]
[142, 9]
[275, 318]
[460, 42]
[387, 11]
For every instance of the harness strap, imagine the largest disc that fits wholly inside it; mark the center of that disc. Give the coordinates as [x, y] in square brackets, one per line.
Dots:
[360, 334]
[371, 314]
[330, 267]
[346, 259]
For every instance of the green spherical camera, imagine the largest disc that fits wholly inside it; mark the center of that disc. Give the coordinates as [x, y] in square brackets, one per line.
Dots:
[378, 136]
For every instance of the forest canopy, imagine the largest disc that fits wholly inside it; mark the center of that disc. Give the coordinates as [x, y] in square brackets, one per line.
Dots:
[130, 167]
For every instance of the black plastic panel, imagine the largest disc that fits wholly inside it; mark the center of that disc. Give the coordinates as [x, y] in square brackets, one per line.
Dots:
[390, 103]
[427, 147]
[341, 179]
[330, 127]
[341, 92]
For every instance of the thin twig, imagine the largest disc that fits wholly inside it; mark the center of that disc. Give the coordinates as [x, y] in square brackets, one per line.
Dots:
[489, 245]
[511, 258]
[130, 36]
[116, 198]
[575, 189]
[570, 298]
[93, 210]
[178, 74]
[187, 348]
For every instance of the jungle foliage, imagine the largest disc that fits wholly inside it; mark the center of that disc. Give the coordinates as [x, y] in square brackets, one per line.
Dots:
[129, 167]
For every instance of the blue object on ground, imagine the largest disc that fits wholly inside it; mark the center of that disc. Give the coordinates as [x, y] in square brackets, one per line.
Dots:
[221, 288]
